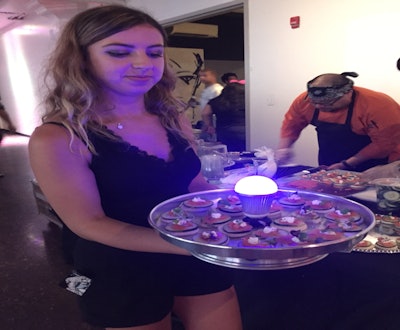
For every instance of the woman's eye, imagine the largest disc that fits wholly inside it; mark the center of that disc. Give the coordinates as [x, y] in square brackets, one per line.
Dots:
[116, 53]
[124, 53]
[156, 54]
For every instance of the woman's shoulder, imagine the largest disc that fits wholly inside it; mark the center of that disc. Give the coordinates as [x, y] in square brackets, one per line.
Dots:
[54, 140]
[52, 135]
[49, 130]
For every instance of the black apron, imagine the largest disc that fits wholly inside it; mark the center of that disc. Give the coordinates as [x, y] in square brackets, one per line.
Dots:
[338, 142]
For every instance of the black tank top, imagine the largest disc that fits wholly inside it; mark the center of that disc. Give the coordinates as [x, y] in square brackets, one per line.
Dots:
[132, 182]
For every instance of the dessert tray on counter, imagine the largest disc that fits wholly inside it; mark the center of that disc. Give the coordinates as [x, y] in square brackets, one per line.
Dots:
[383, 238]
[336, 182]
[302, 227]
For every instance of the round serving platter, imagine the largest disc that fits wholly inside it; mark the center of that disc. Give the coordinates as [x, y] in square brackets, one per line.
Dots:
[235, 255]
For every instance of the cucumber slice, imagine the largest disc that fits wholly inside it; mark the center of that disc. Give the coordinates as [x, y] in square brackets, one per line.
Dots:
[382, 205]
[391, 196]
[394, 204]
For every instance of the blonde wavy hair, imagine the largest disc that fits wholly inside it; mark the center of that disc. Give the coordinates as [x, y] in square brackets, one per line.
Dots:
[73, 93]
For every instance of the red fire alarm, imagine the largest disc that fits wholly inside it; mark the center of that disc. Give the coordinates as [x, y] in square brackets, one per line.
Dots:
[295, 22]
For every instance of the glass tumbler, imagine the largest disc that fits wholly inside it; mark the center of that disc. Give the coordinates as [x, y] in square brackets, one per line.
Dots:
[212, 167]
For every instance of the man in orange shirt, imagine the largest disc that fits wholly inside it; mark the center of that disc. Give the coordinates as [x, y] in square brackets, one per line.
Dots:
[357, 128]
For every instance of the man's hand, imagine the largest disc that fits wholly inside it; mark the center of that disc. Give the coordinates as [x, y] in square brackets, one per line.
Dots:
[210, 130]
[283, 156]
[391, 170]
[337, 166]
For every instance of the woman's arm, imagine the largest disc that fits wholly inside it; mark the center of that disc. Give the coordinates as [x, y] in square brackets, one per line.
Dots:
[199, 183]
[70, 187]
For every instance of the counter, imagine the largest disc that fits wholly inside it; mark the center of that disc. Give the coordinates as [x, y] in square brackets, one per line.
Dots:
[342, 291]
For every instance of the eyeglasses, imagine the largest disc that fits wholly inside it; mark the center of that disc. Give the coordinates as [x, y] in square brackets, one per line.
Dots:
[324, 102]
[327, 95]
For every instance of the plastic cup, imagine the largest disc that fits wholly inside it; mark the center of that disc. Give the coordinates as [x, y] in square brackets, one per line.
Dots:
[387, 194]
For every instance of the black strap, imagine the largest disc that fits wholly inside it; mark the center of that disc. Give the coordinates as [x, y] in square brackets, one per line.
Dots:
[350, 109]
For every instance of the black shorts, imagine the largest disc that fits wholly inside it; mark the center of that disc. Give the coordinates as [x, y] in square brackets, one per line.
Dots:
[132, 288]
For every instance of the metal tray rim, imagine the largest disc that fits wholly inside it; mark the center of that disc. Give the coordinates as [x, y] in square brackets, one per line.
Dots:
[284, 254]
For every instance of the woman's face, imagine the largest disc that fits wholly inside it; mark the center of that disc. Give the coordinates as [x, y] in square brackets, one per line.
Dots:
[128, 63]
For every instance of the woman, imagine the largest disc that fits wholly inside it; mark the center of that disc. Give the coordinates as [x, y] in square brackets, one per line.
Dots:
[112, 146]
[229, 109]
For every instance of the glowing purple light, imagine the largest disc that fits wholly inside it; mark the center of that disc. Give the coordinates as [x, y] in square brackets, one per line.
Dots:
[256, 185]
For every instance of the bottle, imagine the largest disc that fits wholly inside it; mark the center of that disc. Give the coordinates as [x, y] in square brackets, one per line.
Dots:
[213, 137]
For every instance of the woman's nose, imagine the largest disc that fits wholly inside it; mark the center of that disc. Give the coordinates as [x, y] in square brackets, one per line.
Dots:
[140, 60]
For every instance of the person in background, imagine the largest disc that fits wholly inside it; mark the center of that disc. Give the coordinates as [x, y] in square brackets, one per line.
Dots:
[231, 77]
[228, 76]
[357, 128]
[229, 108]
[212, 88]
[8, 122]
[114, 143]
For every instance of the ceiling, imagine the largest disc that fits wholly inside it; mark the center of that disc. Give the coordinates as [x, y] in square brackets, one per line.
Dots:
[16, 12]
[11, 12]
[228, 45]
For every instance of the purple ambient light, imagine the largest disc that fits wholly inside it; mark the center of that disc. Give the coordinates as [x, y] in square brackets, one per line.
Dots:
[256, 185]
[256, 194]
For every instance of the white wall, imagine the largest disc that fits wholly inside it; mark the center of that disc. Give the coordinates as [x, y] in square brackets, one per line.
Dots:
[23, 51]
[168, 11]
[334, 36]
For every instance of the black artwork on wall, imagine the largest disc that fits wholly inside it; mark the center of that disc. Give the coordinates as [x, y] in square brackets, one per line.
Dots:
[229, 46]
